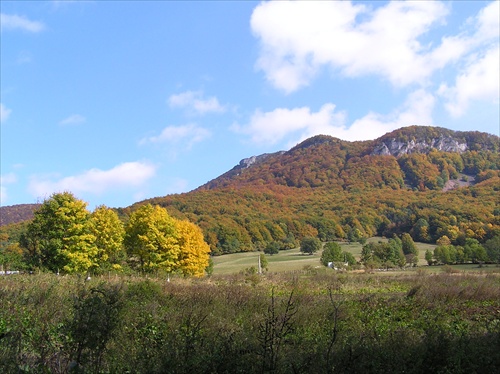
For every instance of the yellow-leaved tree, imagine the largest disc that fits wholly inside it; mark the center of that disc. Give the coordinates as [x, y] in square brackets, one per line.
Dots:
[59, 236]
[194, 251]
[78, 241]
[151, 239]
[108, 231]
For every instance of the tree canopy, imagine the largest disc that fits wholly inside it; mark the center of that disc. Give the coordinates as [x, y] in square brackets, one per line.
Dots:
[310, 245]
[59, 238]
[64, 237]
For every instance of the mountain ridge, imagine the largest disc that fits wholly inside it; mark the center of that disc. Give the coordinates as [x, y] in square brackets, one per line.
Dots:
[339, 190]
[405, 141]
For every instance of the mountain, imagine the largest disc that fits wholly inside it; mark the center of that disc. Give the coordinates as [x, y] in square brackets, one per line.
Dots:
[327, 161]
[427, 181]
[16, 213]
[405, 181]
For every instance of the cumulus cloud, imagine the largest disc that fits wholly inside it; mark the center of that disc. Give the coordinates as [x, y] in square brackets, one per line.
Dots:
[478, 81]
[72, 120]
[4, 113]
[301, 123]
[272, 127]
[15, 22]
[417, 110]
[478, 78]
[190, 133]
[488, 22]
[4, 181]
[195, 102]
[95, 181]
[300, 38]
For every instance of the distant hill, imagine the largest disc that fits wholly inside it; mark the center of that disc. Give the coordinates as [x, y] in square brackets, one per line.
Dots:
[428, 181]
[16, 213]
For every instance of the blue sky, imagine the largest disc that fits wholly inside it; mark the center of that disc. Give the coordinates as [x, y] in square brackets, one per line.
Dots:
[119, 101]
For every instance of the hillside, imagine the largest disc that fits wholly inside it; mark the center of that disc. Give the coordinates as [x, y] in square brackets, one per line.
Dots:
[327, 161]
[416, 179]
[16, 213]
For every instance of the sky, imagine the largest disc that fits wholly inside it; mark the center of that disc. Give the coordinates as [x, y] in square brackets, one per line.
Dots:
[120, 101]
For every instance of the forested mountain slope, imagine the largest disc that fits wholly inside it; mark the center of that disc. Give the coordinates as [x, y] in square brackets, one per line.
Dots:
[16, 213]
[337, 189]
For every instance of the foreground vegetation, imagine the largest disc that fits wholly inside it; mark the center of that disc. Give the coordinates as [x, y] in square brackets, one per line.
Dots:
[246, 323]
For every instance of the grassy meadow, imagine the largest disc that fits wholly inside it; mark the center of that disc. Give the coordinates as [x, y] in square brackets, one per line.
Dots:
[293, 259]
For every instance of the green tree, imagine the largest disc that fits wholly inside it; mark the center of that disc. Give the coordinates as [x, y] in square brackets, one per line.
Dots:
[59, 237]
[332, 252]
[492, 247]
[11, 254]
[355, 235]
[310, 245]
[386, 254]
[421, 230]
[475, 251]
[272, 248]
[408, 245]
[397, 256]
[367, 258]
[349, 258]
[289, 242]
[108, 231]
[429, 257]
[150, 238]
[409, 249]
[444, 254]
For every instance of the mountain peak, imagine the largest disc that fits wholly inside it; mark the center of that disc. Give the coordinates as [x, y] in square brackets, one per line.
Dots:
[316, 140]
[323, 160]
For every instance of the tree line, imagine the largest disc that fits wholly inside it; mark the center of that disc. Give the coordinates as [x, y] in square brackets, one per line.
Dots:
[64, 237]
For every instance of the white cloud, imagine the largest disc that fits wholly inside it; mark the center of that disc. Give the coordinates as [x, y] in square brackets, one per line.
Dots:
[12, 22]
[73, 120]
[190, 133]
[301, 123]
[4, 113]
[196, 103]
[272, 127]
[417, 110]
[478, 78]
[479, 81]
[95, 181]
[298, 38]
[4, 180]
[488, 22]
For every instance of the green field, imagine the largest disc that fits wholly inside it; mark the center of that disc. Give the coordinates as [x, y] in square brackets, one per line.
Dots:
[293, 260]
[288, 260]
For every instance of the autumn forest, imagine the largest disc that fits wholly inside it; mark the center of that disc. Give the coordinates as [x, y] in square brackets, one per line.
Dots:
[437, 185]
